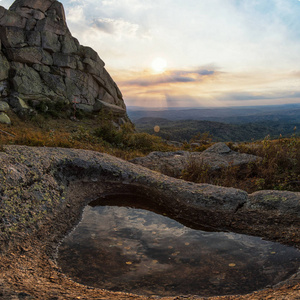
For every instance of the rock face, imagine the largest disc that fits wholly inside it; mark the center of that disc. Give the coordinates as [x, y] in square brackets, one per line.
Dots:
[173, 163]
[41, 61]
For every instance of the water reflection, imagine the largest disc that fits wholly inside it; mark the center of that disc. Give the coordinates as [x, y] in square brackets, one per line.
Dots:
[138, 251]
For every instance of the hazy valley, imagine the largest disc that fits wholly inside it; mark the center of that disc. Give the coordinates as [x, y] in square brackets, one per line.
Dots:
[223, 124]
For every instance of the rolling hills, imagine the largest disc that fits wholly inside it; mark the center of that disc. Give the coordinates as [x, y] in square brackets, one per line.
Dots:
[223, 124]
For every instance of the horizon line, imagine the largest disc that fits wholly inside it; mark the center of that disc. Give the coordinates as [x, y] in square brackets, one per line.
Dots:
[135, 107]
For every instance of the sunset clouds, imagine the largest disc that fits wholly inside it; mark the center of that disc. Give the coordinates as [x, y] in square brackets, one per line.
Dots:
[218, 52]
[173, 76]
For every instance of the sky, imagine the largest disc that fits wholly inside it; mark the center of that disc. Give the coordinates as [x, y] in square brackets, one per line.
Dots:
[194, 53]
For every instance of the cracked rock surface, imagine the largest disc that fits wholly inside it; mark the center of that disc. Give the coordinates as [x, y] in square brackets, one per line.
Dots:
[44, 190]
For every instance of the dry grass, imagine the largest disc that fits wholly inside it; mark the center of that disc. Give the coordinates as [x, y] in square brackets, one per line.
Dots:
[81, 134]
[279, 168]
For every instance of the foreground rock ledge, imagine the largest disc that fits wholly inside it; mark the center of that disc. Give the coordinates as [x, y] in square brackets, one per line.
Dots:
[43, 192]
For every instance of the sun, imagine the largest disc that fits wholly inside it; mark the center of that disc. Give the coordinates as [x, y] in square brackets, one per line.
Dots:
[159, 65]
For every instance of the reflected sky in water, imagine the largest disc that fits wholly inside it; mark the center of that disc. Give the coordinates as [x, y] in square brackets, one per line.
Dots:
[138, 251]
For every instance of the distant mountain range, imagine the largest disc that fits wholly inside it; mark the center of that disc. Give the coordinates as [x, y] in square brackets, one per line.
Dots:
[224, 124]
[223, 114]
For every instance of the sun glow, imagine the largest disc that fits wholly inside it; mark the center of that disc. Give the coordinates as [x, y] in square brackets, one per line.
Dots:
[159, 65]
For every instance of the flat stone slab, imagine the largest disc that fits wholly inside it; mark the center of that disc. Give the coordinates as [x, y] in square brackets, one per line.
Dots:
[216, 157]
[44, 190]
[221, 156]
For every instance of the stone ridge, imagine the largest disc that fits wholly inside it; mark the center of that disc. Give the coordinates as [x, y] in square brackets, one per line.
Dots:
[41, 61]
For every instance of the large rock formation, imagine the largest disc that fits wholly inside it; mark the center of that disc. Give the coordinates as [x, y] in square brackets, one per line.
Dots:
[41, 61]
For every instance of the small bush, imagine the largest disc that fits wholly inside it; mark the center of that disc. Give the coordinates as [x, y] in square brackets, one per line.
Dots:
[53, 109]
[38, 120]
[126, 139]
[143, 142]
[108, 133]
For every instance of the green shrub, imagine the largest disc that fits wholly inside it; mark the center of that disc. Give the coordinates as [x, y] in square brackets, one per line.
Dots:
[54, 109]
[108, 133]
[143, 142]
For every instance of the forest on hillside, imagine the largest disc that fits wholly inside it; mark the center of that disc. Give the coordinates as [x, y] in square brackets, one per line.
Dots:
[185, 130]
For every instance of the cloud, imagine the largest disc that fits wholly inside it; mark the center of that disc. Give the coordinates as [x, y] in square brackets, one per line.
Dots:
[161, 80]
[216, 89]
[237, 96]
[6, 3]
[183, 101]
[104, 25]
[236, 35]
[173, 76]
[116, 27]
[205, 72]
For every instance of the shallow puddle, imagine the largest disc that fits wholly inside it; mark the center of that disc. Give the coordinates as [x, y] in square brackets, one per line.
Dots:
[138, 251]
